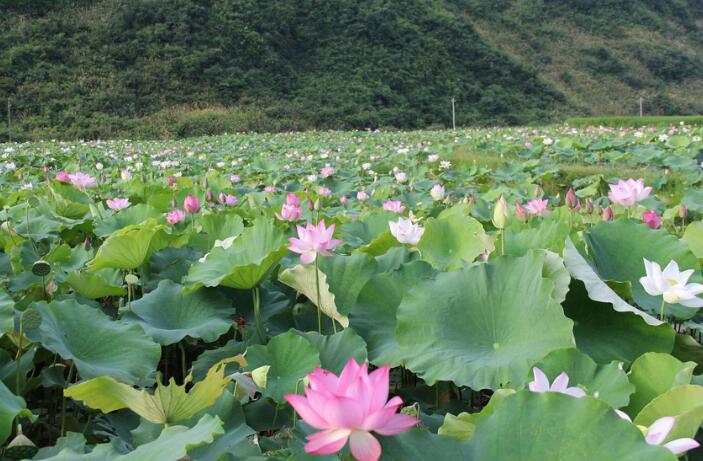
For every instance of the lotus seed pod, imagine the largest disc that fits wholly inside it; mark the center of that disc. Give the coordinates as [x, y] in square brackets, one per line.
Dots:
[41, 268]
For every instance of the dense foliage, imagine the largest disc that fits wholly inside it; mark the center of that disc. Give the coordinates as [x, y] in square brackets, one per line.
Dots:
[160, 299]
[164, 69]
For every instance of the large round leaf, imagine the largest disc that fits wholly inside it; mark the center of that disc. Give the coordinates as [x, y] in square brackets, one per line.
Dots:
[450, 242]
[346, 276]
[245, 263]
[168, 316]
[685, 402]
[133, 215]
[417, 444]
[483, 326]
[94, 285]
[530, 426]
[11, 406]
[618, 249]
[374, 314]
[608, 383]
[289, 357]
[96, 344]
[608, 335]
[335, 350]
[129, 247]
[653, 374]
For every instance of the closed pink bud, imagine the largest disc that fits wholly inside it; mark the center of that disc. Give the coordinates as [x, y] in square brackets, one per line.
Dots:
[571, 198]
[520, 212]
[589, 205]
[171, 180]
[683, 212]
[651, 219]
[608, 214]
[191, 204]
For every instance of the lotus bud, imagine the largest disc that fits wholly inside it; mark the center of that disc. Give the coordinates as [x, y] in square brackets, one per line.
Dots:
[520, 212]
[171, 180]
[191, 204]
[501, 214]
[86, 244]
[578, 205]
[608, 214]
[571, 199]
[209, 196]
[589, 205]
[683, 212]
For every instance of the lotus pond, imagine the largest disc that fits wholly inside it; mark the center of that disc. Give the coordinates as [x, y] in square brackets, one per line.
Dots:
[494, 294]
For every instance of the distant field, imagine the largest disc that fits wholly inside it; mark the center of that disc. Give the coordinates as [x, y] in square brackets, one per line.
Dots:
[634, 121]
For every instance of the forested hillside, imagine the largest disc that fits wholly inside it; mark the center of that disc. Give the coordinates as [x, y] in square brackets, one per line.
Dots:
[157, 68]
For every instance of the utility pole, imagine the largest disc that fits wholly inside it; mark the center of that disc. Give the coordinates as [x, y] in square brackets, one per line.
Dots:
[9, 120]
[641, 106]
[453, 116]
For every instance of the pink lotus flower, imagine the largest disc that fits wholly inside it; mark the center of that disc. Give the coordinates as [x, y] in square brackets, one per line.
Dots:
[118, 204]
[235, 178]
[651, 219]
[327, 171]
[175, 216]
[82, 180]
[313, 240]
[291, 210]
[350, 407]
[63, 177]
[270, 189]
[660, 429]
[226, 199]
[393, 205]
[362, 196]
[325, 191]
[627, 193]
[344, 199]
[560, 384]
[537, 207]
[171, 180]
[191, 204]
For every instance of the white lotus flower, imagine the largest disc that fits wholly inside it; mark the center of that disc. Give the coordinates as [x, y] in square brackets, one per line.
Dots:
[437, 192]
[672, 284]
[560, 384]
[405, 231]
[658, 432]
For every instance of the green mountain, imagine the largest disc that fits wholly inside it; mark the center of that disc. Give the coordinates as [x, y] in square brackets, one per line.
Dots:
[80, 68]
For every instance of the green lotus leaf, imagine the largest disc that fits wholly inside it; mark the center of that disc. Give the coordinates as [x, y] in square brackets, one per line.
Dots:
[463, 425]
[96, 344]
[365, 230]
[346, 276]
[302, 279]
[607, 335]
[598, 290]
[11, 406]
[172, 445]
[547, 234]
[693, 237]
[618, 249]
[685, 402]
[168, 404]
[209, 358]
[453, 241]
[417, 444]
[608, 383]
[652, 375]
[290, 357]
[7, 313]
[94, 285]
[336, 350]
[530, 426]
[374, 314]
[131, 216]
[483, 326]
[168, 316]
[686, 348]
[245, 263]
[129, 247]
[221, 226]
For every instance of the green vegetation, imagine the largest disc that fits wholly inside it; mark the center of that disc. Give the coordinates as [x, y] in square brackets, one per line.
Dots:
[633, 121]
[164, 68]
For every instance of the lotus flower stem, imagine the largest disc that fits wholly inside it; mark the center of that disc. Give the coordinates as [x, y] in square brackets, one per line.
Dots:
[18, 359]
[184, 372]
[317, 286]
[661, 310]
[256, 298]
[63, 402]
